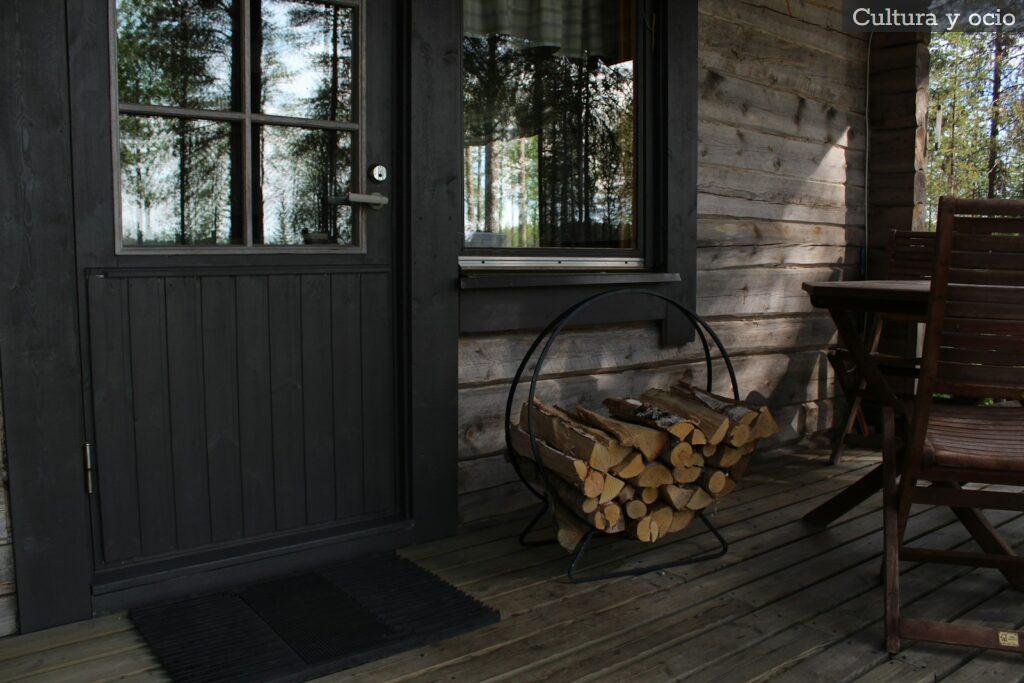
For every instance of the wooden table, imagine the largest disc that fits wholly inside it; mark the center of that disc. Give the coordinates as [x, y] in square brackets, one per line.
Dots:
[906, 299]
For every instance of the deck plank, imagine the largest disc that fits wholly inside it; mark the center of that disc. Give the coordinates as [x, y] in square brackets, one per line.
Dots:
[537, 633]
[789, 602]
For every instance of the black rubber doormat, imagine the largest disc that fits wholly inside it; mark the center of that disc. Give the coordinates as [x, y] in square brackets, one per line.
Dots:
[307, 625]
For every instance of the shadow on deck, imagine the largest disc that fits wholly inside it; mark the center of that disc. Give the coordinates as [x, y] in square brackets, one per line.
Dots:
[789, 602]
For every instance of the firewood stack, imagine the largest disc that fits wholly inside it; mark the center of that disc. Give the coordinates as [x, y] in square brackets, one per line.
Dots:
[646, 468]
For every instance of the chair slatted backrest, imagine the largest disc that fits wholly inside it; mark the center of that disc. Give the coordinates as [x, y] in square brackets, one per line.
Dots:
[911, 254]
[974, 346]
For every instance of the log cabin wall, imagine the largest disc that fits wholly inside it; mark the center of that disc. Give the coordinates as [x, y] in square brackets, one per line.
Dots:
[781, 201]
[896, 159]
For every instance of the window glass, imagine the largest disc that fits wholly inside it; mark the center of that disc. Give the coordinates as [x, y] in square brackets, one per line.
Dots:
[299, 171]
[176, 182]
[549, 110]
[305, 52]
[198, 167]
[176, 53]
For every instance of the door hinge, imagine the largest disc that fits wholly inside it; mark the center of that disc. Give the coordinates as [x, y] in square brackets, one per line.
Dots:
[87, 454]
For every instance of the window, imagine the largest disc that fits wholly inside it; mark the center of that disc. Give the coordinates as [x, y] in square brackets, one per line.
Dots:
[238, 122]
[550, 137]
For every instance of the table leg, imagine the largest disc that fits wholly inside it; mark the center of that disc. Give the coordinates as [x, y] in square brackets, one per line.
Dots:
[866, 367]
[847, 499]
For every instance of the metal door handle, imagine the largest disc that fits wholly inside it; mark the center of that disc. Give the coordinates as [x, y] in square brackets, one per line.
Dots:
[373, 201]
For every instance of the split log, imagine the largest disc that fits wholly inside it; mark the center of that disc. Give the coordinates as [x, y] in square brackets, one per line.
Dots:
[715, 425]
[650, 442]
[644, 529]
[571, 529]
[681, 454]
[655, 475]
[612, 513]
[698, 438]
[631, 410]
[676, 496]
[680, 520]
[727, 488]
[662, 516]
[713, 481]
[737, 412]
[616, 450]
[617, 526]
[739, 435]
[699, 500]
[649, 494]
[612, 487]
[629, 468]
[729, 456]
[569, 469]
[708, 450]
[626, 494]
[686, 475]
[635, 509]
[765, 424]
[592, 446]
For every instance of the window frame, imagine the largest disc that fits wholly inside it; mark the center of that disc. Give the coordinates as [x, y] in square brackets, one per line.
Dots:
[646, 70]
[528, 297]
[247, 119]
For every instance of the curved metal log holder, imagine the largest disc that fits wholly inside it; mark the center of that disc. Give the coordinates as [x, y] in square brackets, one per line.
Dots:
[551, 333]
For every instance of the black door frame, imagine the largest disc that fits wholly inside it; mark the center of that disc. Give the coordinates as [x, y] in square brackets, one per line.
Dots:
[55, 182]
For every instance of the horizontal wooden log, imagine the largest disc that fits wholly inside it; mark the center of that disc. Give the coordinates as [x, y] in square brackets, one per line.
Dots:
[780, 23]
[719, 232]
[756, 291]
[797, 67]
[832, 202]
[730, 100]
[739, 147]
[781, 379]
[494, 358]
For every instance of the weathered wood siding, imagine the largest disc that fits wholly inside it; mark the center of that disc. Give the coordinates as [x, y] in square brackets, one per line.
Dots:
[781, 201]
[8, 599]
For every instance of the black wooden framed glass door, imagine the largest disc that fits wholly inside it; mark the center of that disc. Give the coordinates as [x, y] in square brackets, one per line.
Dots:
[240, 313]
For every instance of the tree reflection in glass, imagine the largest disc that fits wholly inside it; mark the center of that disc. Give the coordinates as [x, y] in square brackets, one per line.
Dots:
[305, 55]
[548, 137]
[176, 182]
[182, 176]
[299, 171]
[176, 53]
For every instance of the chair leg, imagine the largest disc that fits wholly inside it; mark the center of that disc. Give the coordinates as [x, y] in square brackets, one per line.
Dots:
[892, 538]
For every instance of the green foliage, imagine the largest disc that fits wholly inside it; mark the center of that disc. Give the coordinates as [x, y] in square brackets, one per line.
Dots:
[961, 113]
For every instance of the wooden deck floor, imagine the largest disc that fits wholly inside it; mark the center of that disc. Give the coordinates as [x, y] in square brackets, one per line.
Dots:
[788, 603]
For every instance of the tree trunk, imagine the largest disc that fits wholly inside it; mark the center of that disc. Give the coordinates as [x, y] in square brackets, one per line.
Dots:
[523, 191]
[993, 135]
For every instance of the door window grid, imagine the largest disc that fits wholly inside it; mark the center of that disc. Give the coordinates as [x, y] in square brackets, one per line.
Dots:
[246, 122]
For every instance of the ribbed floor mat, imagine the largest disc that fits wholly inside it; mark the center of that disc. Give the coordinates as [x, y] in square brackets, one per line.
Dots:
[307, 625]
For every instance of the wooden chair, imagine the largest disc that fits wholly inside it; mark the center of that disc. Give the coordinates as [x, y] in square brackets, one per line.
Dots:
[910, 258]
[973, 348]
